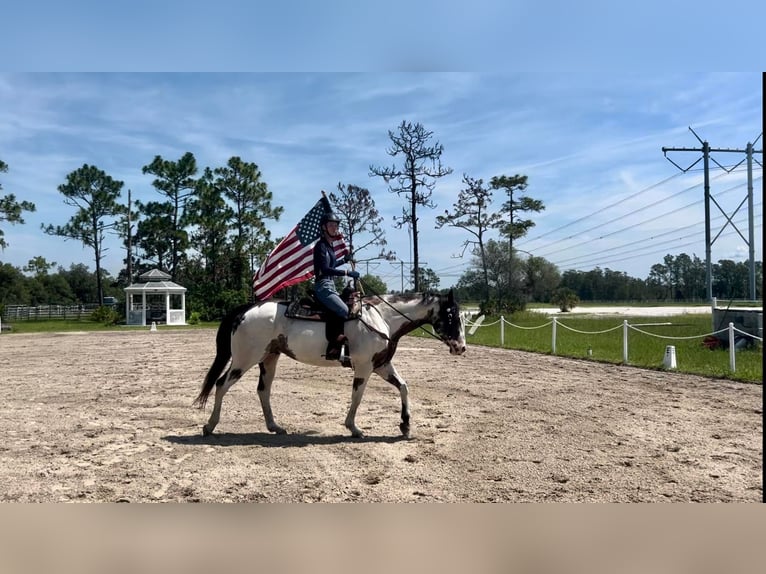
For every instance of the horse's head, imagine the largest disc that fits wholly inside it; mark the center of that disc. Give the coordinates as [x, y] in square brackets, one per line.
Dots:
[448, 324]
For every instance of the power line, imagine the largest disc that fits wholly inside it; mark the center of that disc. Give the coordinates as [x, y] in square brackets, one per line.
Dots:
[650, 252]
[705, 150]
[592, 259]
[686, 190]
[687, 206]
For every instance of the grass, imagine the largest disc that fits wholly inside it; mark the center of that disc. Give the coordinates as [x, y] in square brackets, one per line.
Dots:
[530, 334]
[67, 325]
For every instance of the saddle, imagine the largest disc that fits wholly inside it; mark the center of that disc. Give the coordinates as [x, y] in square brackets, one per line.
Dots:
[311, 309]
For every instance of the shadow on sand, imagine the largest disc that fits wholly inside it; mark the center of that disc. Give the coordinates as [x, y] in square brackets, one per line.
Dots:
[276, 440]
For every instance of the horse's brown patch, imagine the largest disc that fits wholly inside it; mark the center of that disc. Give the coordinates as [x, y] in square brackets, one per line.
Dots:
[279, 345]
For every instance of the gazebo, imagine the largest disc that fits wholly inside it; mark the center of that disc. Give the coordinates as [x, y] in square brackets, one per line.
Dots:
[155, 299]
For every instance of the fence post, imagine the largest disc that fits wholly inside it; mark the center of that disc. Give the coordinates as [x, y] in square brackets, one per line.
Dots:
[553, 336]
[732, 350]
[625, 341]
[502, 331]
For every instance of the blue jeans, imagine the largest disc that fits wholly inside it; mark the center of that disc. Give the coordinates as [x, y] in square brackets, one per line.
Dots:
[326, 293]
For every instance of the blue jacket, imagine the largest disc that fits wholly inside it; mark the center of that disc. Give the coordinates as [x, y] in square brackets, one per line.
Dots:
[324, 261]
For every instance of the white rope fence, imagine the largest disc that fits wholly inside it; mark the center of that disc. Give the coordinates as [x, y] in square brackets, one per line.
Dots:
[626, 327]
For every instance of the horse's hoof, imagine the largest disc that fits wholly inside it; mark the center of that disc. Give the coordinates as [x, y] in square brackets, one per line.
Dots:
[405, 430]
[277, 430]
[206, 432]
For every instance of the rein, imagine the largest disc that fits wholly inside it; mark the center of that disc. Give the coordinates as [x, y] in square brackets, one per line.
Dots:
[398, 311]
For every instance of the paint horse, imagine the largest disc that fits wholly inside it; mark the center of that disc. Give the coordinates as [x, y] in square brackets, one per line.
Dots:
[258, 334]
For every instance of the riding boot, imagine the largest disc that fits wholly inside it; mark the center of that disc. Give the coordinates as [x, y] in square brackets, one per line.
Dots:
[333, 349]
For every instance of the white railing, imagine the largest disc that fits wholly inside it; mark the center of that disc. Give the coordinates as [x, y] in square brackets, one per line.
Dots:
[626, 327]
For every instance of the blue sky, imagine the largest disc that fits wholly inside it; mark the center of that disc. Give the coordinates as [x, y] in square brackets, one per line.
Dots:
[590, 144]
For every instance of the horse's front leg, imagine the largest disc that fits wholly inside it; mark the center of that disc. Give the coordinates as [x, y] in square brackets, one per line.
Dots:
[388, 373]
[268, 368]
[360, 383]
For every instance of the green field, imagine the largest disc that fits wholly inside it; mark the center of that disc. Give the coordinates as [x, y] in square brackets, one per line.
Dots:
[533, 332]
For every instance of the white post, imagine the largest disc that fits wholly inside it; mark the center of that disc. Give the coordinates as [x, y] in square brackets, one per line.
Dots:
[625, 341]
[502, 331]
[143, 307]
[553, 336]
[732, 350]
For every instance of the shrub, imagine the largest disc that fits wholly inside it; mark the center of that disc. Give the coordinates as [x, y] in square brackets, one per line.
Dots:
[194, 318]
[105, 315]
[565, 298]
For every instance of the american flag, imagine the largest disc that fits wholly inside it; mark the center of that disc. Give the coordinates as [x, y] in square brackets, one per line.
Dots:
[292, 261]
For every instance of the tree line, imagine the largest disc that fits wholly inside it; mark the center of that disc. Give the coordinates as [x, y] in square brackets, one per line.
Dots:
[209, 229]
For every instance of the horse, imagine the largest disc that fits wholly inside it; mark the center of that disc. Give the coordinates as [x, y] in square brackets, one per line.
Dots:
[257, 334]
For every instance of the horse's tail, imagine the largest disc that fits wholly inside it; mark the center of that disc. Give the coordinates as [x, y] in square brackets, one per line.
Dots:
[222, 352]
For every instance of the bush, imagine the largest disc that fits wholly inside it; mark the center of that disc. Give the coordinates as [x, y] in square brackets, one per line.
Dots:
[105, 315]
[565, 298]
[194, 318]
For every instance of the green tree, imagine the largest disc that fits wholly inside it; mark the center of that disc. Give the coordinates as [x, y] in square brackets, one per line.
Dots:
[541, 278]
[730, 279]
[39, 266]
[94, 194]
[471, 213]
[10, 209]
[175, 180]
[13, 286]
[515, 227]
[415, 179]
[429, 280]
[373, 285]
[240, 182]
[210, 217]
[565, 298]
[81, 281]
[154, 233]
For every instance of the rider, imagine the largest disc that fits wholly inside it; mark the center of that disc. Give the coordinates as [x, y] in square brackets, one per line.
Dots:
[326, 267]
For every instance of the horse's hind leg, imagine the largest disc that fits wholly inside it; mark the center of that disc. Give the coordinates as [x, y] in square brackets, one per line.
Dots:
[388, 373]
[268, 368]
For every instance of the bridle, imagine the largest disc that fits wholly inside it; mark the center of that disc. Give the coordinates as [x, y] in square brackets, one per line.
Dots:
[450, 312]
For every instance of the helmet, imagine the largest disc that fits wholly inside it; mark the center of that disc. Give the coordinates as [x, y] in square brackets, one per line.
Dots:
[329, 216]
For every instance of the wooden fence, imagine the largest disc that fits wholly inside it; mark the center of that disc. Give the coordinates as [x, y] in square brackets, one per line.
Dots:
[47, 312]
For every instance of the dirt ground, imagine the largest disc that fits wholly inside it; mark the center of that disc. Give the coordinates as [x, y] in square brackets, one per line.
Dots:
[108, 417]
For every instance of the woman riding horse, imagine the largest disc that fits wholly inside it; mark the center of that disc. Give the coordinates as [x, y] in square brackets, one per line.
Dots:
[325, 270]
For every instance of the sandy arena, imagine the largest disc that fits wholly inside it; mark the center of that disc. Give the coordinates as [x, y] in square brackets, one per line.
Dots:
[108, 417]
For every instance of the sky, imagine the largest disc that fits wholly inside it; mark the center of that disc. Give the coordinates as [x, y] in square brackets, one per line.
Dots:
[580, 97]
[589, 143]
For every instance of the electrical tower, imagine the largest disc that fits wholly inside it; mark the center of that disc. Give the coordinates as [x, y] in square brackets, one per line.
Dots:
[750, 241]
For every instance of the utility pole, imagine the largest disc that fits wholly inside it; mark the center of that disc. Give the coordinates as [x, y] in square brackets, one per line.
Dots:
[402, 264]
[706, 149]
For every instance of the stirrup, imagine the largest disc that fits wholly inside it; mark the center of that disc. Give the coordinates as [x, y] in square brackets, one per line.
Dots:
[345, 360]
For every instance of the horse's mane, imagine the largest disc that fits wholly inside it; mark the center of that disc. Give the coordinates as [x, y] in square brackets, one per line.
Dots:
[394, 298]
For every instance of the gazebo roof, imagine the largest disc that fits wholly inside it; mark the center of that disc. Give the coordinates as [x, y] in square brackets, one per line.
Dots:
[154, 275]
[155, 281]
[155, 287]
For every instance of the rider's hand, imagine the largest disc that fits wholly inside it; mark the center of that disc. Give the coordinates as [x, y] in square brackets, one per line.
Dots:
[353, 274]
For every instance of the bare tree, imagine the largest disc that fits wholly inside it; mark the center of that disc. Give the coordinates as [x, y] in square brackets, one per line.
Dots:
[356, 208]
[471, 212]
[415, 178]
